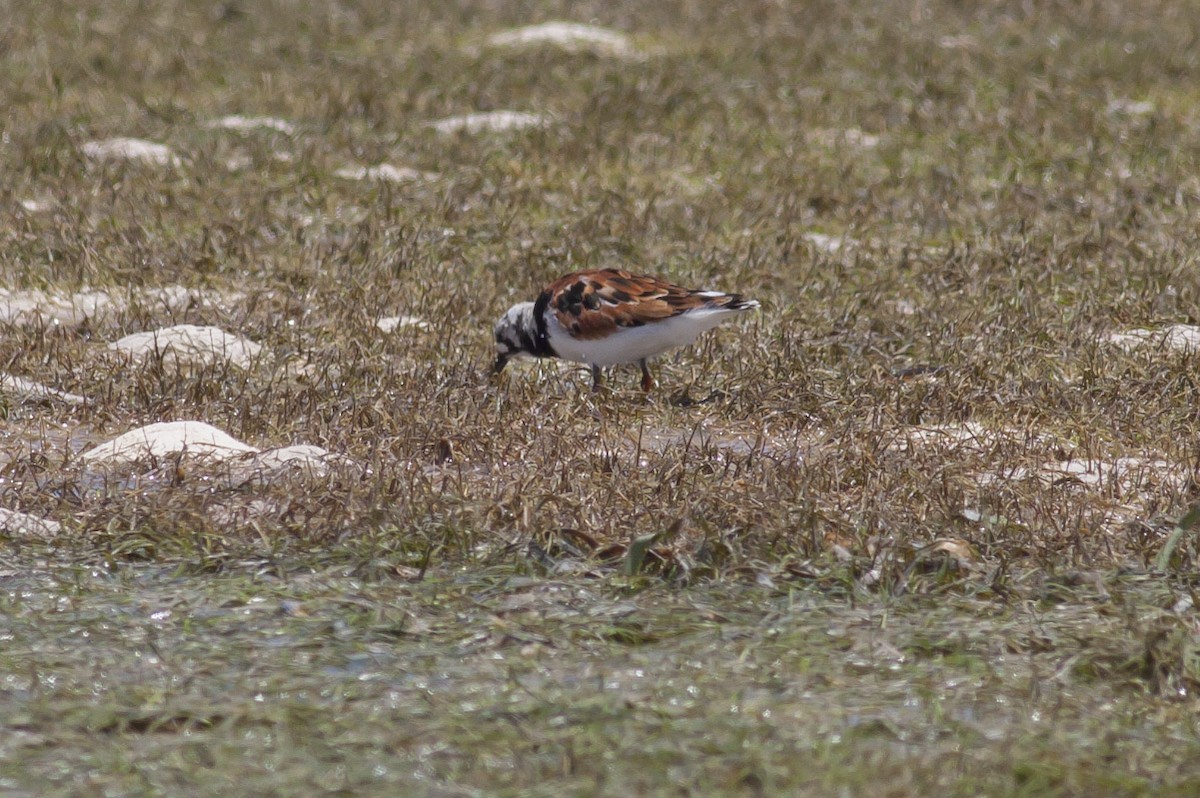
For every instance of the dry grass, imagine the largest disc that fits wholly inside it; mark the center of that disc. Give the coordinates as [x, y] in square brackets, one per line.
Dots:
[944, 210]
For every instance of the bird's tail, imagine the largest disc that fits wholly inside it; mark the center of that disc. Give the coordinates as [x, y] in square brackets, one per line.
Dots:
[739, 302]
[717, 300]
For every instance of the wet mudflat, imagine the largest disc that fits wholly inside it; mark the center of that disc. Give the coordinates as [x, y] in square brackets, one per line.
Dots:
[489, 682]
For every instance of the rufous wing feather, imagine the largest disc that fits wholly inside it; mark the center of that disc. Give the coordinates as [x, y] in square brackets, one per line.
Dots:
[594, 304]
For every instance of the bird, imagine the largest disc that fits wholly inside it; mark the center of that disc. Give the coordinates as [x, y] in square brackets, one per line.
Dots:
[602, 317]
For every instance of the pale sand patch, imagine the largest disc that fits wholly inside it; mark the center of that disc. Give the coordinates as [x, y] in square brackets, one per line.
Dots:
[1122, 475]
[1123, 472]
[1111, 490]
[970, 434]
[1122, 490]
[721, 442]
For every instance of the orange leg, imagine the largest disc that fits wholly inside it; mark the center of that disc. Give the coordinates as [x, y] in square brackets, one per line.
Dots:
[647, 380]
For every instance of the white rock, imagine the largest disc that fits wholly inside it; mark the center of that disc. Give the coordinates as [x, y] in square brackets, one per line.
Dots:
[385, 172]
[29, 307]
[27, 389]
[36, 205]
[859, 138]
[826, 243]
[301, 453]
[188, 343]
[127, 149]
[171, 298]
[26, 525]
[490, 122]
[1182, 338]
[240, 463]
[570, 37]
[236, 163]
[1176, 337]
[963, 42]
[304, 459]
[1128, 107]
[852, 137]
[392, 323]
[192, 438]
[33, 307]
[342, 214]
[250, 123]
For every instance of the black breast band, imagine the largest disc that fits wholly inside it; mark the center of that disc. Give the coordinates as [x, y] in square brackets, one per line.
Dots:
[541, 343]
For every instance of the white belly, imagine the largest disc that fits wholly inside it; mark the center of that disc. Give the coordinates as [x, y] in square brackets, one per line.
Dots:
[631, 344]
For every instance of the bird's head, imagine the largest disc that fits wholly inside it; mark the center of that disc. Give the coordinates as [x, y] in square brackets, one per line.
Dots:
[515, 335]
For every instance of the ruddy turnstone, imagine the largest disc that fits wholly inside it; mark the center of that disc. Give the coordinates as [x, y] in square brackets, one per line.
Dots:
[609, 316]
